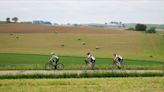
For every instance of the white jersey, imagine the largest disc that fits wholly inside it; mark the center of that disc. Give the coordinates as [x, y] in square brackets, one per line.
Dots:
[118, 56]
[54, 58]
[91, 57]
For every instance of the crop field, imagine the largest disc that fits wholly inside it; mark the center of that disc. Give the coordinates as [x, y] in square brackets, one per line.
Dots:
[28, 47]
[146, 84]
[131, 45]
[11, 61]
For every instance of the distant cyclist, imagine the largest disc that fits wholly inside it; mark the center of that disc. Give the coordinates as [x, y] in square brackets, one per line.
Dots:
[118, 60]
[54, 60]
[90, 59]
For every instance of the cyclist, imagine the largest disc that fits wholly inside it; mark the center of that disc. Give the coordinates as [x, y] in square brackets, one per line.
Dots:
[118, 60]
[54, 60]
[90, 59]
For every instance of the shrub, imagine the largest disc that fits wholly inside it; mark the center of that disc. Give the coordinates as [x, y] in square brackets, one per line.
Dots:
[83, 43]
[97, 47]
[17, 37]
[11, 34]
[62, 45]
[151, 56]
[151, 30]
[140, 27]
[130, 28]
[79, 39]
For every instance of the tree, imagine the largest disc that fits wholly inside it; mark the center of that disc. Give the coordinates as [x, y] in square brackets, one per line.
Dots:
[123, 25]
[15, 19]
[8, 20]
[140, 27]
[151, 30]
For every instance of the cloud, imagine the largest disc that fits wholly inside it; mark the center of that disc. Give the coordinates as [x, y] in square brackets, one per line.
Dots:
[80, 11]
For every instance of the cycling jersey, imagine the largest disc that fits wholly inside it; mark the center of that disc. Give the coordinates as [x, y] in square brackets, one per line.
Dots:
[54, 58]
[91, 58]
[118, 57]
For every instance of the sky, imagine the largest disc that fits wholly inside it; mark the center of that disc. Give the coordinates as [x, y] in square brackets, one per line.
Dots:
[84, 11]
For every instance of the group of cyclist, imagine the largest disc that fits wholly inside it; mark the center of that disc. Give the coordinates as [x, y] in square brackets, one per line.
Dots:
[90, 60]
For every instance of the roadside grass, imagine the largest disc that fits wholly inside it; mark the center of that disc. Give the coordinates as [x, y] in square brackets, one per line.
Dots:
[84, 75]
[13, 61]
[139, 84]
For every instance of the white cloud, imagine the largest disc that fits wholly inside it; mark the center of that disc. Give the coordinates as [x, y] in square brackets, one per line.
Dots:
[80, 11]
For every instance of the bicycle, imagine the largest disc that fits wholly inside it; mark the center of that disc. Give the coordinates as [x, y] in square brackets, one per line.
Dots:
[118, 64]
[58, 66]
[88, 65]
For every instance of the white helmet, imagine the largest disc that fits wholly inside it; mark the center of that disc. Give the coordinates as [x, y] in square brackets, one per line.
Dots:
[52, 53]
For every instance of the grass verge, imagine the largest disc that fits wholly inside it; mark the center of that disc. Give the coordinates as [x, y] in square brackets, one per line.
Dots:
[82, 75]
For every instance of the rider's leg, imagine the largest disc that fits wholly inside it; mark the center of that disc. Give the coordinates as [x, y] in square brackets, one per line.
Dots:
[122, 63]
[55, 64]
[93, 64]
[55, 67]
[118, 63]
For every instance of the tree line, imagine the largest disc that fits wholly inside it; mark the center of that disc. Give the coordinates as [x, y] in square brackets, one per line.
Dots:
[143, 27]
[14, 19]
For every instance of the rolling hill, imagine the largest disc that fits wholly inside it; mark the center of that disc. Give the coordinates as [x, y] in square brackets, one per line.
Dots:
[35, 28]
[76, 41]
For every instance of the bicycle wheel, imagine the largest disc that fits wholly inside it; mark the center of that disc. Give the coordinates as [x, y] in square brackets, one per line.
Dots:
[48, 66]
[93, 66]
[116, 65]
[60, 66]
[96, 67]
[122, 65]
[83, 66]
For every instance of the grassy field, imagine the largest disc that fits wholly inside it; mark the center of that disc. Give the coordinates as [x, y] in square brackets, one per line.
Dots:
[148, 84]
[131, 45]
[140, 50]
[11, 61]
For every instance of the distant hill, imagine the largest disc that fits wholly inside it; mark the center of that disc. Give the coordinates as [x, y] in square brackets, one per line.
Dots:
[38, 28]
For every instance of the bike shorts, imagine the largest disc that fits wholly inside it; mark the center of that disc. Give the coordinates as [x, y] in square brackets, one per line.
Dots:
[93, 61]
[120, 60]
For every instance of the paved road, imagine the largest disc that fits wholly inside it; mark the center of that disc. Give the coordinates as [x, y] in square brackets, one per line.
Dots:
[15, 72]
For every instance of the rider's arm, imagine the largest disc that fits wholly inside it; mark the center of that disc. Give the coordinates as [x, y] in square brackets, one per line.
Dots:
[88, 58]
[56, 57]
[51, 59]
[115, 58]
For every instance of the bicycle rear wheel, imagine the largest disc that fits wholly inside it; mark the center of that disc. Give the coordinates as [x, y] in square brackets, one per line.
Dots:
[83, 66]
[48, 66]
[60, 66]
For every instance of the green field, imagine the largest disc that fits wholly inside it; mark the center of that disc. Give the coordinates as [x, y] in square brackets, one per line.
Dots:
[147, 84]
[11, 61]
